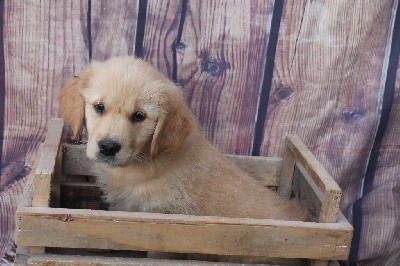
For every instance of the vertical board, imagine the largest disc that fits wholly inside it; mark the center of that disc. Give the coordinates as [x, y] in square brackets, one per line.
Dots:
[381, 206]
[161, 30]
[326, 84]
[222, 66]
[215, 51]
[113, 28]
[44, 42]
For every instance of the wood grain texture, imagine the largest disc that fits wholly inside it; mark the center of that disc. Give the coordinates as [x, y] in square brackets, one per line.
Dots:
[46, 173]
[382, 238]
[39, 56]
[44, 42]
[317, 174]
[90, 260]
[181, 233]
[9, 199]
[326, 84]
[161, 30]
[216, 52]
[286, 177]
[113, 28]
[222, 66]
[69, 260]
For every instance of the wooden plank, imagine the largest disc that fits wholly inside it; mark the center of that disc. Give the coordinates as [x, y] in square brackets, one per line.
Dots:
[215, 52]
[326, 83]
[316, 170]
[264, 169]
[25, 199]
[50, 37]
[307, 193]
[45, 171]
[382, 199]
[182, 233]
[113, 28]
[221, 67]
[161, 30]
[319, 263]
[64, 260]
[286, 177]
[331, 191]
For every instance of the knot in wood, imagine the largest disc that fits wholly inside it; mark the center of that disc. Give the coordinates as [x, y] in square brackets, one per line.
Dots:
[67, 218]
[351, 116]
[180, 45]
[213, 67]
[283, 93]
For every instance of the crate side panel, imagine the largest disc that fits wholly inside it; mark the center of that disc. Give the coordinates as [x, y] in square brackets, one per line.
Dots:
[181, 233]
[264, 169]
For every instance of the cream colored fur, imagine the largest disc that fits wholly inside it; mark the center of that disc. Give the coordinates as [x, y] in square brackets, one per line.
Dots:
[165, 164]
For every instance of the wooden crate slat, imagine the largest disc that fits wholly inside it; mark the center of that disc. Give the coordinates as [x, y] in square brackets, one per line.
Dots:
[56, 259]
[47, 164]
[182, 233]
[265, 169]
[316, 170]
[324, 181]
[307, 193]
[286, 177]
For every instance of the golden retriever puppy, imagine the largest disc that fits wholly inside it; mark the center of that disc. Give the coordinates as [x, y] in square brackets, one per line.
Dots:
[149, 152]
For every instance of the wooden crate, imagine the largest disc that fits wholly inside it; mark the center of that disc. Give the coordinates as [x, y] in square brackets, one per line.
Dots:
[43, 227]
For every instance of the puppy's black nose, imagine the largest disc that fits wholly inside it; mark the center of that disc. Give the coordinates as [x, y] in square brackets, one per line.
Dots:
[108, 147]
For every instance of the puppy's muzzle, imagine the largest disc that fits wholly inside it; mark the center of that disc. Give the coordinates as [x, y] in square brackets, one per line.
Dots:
[108, 147]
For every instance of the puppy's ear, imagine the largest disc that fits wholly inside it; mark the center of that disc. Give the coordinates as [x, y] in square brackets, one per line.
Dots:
[72, 106]
[172, 127]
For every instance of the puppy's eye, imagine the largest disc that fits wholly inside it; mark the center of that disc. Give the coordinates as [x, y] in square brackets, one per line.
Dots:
[99, 108]
[138, 116]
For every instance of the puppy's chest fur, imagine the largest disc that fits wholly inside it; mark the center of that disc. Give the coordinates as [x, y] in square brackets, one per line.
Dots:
[138, 188]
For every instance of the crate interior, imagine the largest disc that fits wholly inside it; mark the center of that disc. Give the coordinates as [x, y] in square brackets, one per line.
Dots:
[79, 191]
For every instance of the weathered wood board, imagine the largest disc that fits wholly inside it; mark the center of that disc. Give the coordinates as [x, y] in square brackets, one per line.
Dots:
[113, 28]
[327, 76]
[219, 68]
[38, 60]
[383, 190]
[180, 233]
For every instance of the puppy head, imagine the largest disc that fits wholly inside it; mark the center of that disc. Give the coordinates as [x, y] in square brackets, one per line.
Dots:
[132, 112]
